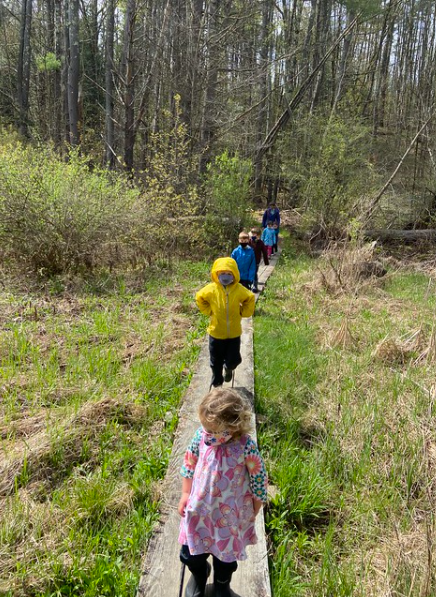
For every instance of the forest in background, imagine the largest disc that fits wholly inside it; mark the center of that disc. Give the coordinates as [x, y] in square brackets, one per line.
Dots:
[322, 98]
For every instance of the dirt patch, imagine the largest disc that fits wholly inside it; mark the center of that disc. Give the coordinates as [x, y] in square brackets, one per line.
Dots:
[34, 455]
[26, 426]
[38, 308]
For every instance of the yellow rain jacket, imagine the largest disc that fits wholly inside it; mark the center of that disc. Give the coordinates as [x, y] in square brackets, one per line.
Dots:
[225, 305]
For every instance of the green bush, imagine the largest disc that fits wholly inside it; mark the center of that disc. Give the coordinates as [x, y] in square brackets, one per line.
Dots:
[227, 192]
[171, 206]
[58, 216]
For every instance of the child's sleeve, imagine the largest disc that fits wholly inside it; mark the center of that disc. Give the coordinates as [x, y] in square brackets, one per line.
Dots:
[252, 270]
[262, 238]
[202, 303]
[257, 471]
[264, 217]
[248, 304]
[191, 456]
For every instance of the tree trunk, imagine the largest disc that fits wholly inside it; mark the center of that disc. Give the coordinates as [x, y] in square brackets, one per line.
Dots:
[263, 77]
[320, 48]
[23, 67]
[63, 18]
[209, 112]
[109, 100]
[73, 71]
[129, 83]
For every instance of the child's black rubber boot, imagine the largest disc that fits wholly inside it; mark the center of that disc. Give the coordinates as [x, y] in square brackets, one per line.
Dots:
[228, 374]
[221, 582]
[197, 583]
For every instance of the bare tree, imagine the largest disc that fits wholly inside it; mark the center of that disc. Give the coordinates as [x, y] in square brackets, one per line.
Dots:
[73, 70]
[109, 72]
[23, 67]
[128, 74]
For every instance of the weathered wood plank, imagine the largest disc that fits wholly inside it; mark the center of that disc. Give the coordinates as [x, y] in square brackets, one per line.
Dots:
[161, 567]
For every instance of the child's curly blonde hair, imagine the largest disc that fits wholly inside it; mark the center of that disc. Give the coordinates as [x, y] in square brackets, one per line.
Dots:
[224, 409]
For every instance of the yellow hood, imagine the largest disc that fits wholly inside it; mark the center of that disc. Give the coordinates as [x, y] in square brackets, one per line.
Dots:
[225, 264]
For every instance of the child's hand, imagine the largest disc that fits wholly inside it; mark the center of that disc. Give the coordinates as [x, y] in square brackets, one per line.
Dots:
[257, 505]
[182, 503]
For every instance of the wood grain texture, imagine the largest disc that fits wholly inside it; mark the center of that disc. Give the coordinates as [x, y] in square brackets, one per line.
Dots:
[161, 568]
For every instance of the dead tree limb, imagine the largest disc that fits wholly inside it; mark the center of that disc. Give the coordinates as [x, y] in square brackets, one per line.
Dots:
[298, 96]
[368, 213]
[400, 235]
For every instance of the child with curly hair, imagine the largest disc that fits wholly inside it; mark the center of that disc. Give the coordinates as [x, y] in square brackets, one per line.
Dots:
[224, 487]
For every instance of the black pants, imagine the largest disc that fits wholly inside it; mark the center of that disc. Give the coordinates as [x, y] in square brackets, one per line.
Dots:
[276, 244]
[223, 352]
[256, 277]
[246, 284]
[195, 562]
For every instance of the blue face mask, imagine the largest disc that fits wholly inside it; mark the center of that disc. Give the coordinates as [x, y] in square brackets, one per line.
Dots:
[226, 279]
[272, 211]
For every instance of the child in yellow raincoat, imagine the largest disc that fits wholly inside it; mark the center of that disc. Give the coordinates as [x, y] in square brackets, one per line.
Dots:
[225, 301]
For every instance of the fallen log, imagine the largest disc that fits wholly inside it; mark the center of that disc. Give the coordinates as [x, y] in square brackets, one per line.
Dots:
[401, 235]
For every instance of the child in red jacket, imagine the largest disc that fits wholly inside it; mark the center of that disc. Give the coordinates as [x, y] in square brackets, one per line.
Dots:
[259, 251]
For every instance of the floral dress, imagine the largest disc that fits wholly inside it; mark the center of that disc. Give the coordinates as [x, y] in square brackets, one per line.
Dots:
[219, 517]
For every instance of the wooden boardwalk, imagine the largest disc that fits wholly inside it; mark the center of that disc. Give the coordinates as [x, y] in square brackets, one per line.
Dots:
[161, 568]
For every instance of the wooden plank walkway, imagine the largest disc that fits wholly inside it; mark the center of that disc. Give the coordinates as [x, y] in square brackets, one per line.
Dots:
[161, 568]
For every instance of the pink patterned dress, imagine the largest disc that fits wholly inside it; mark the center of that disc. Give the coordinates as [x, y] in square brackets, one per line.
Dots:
[219, 517]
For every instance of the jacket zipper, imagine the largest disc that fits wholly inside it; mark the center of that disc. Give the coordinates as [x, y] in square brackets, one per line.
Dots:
[227, 313]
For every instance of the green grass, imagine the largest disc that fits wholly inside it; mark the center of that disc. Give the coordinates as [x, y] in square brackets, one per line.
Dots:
[90, 385]
[347, 435]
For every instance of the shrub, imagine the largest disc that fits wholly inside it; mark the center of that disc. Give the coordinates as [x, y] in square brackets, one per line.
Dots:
[61, 217]
[170, 206]
[57, 216]
[227, 191]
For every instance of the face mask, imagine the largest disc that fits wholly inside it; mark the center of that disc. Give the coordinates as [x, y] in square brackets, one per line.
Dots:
[273, 211]
[216, 439]
[254, 238]
[225, 279]
[244, 244]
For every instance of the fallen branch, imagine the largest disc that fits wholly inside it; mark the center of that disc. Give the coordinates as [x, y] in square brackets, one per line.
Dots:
[402, 235]
[374, 202]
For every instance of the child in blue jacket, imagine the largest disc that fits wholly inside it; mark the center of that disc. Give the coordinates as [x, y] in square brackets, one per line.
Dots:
[246, 260]
[269, 236]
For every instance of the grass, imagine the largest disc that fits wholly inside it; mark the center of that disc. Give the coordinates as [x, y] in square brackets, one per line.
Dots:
[90, 385]
[91, 380]
[347, 433]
